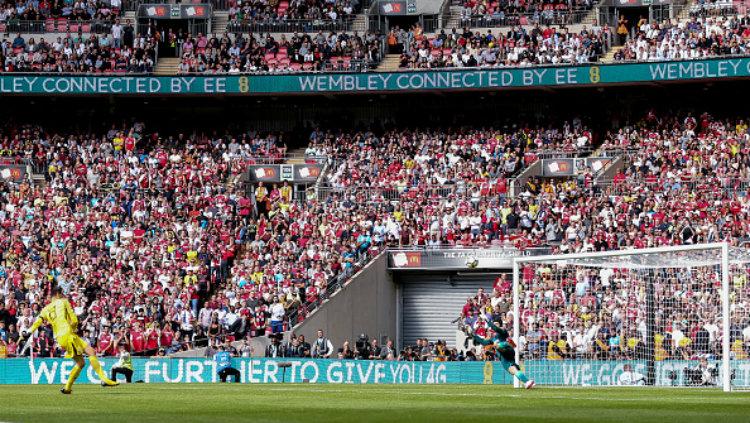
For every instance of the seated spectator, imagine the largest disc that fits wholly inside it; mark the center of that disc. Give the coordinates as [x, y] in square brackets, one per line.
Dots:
[518, 48]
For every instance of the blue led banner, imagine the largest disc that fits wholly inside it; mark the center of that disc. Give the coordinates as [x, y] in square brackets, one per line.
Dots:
[260, 370]
[434, 80]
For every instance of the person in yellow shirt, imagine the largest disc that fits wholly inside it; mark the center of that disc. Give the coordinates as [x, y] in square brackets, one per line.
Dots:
[118, 142]
[59, 314]
[286, 192]
[557, 348]
[190, 278]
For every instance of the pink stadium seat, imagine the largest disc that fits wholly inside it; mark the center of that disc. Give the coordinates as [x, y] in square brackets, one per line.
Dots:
[86, 28]
[49, 25]
[74, 28]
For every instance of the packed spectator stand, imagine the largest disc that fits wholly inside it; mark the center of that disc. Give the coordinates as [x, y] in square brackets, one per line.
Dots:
[488, 13]
[519, 47]
[294, 15]
[166, 208]
[238, 53]
[79, 54]
[141, 227]
[695, 38]
[59, 16]
[685, 182]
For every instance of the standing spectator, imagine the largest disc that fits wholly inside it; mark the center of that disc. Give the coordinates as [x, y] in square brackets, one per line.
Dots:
[277, 316]
[622, 30]
[116, 34]
[322, 347]
[128, 34]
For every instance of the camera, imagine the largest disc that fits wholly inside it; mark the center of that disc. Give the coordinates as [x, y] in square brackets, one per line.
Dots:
[362, 345]
[362, 342]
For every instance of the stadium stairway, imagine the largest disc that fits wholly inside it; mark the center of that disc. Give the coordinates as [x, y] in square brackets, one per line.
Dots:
[167, 66]
[610, 55]
[129, 16]
[219, 22]
[390, 63]
[296, 156]
[360, 23]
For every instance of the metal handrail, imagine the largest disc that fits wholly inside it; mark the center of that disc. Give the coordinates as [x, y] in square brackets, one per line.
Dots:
[58, 26]
[542, 17]
[291, 25]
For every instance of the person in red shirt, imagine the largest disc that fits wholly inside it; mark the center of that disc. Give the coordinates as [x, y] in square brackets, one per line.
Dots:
[105, 344]
[152, 339]
[137, 339]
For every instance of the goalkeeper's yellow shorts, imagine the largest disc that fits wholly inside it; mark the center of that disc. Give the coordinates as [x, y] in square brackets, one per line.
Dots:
[72, 344]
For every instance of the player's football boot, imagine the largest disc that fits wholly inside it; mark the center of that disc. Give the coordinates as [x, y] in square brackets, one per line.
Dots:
[65, 391]
[107, 382]
[530, 384]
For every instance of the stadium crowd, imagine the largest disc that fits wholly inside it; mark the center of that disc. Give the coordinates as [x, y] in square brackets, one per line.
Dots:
[505, 12]
[257, 11]
[519, 47]
[135, 226]
[250, 53]
[683, 183]
[695, 38]
[166, 216]
[452, 186]
[12, 11]
[78, 54]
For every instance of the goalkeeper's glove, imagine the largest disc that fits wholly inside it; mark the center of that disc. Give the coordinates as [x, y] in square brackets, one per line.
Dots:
[24, 336]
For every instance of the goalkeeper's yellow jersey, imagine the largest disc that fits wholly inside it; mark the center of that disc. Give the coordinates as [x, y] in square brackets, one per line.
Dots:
[59, 314]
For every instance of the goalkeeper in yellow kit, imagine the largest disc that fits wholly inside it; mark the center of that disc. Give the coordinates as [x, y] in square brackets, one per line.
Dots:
[59, 314]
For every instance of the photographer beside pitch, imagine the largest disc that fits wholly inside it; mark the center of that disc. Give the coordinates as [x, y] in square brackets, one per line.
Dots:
[224, 369]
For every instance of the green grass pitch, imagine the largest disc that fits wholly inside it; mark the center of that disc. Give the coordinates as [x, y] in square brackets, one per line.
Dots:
[384, 403]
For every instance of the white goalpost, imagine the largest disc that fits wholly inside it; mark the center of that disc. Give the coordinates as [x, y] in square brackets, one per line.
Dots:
[667, 316]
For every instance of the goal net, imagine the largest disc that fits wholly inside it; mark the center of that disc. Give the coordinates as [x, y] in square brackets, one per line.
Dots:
[672, 316]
